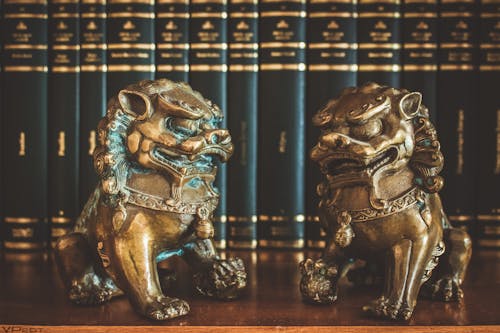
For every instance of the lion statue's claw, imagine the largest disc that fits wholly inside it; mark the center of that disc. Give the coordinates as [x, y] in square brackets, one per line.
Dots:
[167, 308]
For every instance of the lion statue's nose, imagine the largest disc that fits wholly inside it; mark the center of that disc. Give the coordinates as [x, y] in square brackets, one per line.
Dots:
[335, 140]
[218, 137]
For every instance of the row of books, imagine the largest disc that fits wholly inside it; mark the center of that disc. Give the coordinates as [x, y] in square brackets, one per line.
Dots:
[269, 65]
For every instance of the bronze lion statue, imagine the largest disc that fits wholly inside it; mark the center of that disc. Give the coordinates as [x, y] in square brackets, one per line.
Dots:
[158, 145]
[381, 159]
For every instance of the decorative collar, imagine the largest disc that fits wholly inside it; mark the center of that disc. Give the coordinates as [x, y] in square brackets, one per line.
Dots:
[154, 202]
[405, 200]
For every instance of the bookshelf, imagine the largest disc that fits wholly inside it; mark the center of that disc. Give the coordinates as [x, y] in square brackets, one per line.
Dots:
[32, 299]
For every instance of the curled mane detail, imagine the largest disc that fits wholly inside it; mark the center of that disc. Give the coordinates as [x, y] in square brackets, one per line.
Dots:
[427, 160]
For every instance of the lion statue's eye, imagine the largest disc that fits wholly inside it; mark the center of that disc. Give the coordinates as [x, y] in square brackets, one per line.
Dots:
[183, 127]
[367, 130]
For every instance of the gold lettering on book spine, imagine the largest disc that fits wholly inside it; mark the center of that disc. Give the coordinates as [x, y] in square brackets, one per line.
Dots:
[22, 144]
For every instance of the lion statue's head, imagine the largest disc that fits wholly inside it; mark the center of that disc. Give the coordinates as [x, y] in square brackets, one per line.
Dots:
[159, 126]
[372, 131]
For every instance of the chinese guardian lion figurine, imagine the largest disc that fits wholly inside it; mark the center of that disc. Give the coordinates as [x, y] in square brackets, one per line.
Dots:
[381, 160]
[155, 159]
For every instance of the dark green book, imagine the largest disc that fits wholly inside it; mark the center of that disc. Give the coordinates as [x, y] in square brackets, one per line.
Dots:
[458, 110]
[331, 67]
[63, 115]
[488, 234]
[242, 118]
[379, 41]
[24, 124]
[420, 58]
[92, 88]
[172, 39]
[130, 45]
[208, 75]
[282, 78]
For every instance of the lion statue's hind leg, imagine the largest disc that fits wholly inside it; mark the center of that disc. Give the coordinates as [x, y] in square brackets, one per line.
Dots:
[87, 284]
[445, 283]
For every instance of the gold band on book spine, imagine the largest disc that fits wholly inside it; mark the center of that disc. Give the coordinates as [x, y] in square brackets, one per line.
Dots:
[276, 45]
[244, 68]
[24, 245]
[244, 15]
[282, 218]
[326, 67]
[170, 68]
[279, 67]
[22, 220]
[131, 68]
[25, 47]
[381, 15]
[43, 69]
[461, 218]
[486, 217]
[382, 68]
[65, 69]
[172, 15]
[295, 244]
[204, 46]
[132, 15]
[316, 244]
[425, 68]
[26, 15]
[284, 13]
[240, 244]
[208, 68]
[456, 67]
[333, 14]
[352, 46]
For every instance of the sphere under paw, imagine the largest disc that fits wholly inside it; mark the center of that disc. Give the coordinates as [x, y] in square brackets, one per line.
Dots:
[319, 281]
[224, 279]
[167, 308]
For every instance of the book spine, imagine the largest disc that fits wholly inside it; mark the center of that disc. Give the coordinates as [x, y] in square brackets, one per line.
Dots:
[242, 119]
[24, 131]
[331, 67]
[208, 75]
[420, 58]
[130, 43]
[282, 43]
[457, 105]
[489, 118]
[64, 105]
[1, 124]
[172, 39]
[379, 41]
[93, 86]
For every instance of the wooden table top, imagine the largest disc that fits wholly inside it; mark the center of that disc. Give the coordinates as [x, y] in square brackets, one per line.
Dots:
[32, 299]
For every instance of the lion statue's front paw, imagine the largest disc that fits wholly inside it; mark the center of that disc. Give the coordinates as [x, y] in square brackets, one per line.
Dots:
[224, 279]
[319, 281]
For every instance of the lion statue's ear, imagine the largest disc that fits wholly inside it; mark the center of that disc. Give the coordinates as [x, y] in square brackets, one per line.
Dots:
[410, 104]
[136, 104]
